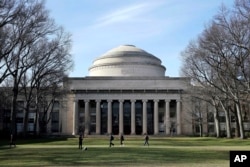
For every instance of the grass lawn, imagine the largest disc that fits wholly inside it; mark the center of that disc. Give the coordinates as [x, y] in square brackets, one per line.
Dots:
[163, 151]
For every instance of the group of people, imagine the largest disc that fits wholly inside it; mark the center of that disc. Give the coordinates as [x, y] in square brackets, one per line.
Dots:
[111, 139]
[81, 140]
[146, 139]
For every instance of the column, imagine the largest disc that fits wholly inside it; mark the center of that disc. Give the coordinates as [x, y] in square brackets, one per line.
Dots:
[87, 117]
[144, 117]
[178, 108]
[132, 117]
[75, 114]
[156, 117]
[98, 117]
[167, 117]
[109, 116]
[121, 116]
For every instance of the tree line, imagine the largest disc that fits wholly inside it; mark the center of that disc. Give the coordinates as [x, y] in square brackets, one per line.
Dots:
[218, 62]
[34, 56]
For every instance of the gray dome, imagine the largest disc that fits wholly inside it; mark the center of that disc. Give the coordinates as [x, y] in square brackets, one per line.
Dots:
[127, 60]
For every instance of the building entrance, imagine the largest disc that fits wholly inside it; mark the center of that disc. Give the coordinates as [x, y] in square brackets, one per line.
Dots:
[104, 117]
[127, 117]
[138, 117]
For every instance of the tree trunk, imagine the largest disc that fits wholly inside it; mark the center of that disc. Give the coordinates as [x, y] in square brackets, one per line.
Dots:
[13, 111]
[216, 120]
[237, 127]
[201, 129]
[26, 120]
[36, 127]
[217, 124]
[239, 115]
[228, 125]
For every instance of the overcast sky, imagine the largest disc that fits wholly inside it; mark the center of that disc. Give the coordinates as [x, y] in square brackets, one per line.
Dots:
[160, 27]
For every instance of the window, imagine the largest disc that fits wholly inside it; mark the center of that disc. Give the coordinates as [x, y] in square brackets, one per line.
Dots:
[20, 105]
[210, 128]
[55, 122]
[56, 105]
[222, 119]
[210, 117]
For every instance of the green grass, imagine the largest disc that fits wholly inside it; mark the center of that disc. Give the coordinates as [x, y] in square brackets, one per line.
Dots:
[163, 151]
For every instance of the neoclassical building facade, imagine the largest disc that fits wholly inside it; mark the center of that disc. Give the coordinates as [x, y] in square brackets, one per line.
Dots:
[126, 92]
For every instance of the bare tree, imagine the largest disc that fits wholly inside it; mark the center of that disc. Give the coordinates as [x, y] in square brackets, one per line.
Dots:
[9, 11]
[22, 35]
[220, 59]
[46, 76]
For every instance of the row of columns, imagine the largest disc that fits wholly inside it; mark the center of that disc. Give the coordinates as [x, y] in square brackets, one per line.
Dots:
[133, 125]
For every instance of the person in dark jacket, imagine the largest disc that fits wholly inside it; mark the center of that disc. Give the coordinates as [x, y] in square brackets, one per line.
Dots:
[80, 141]
[12, 140]
[111, 141]
[146, 140]
[121, 139]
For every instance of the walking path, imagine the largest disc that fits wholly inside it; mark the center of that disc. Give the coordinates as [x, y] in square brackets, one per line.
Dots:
[133, 146]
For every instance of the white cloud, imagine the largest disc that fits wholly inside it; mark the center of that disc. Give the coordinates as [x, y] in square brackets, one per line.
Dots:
[124, 14]
[132, 13]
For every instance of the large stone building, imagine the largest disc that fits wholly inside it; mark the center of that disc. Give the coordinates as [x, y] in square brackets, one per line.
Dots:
[126, 92]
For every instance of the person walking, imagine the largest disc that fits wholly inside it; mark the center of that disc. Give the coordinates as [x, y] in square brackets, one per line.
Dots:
[111, 141]
[12, 141]
[121, 139]
[80, 141]
[146, 140]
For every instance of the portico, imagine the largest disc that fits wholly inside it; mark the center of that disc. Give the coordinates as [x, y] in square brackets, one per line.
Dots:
[126, 116]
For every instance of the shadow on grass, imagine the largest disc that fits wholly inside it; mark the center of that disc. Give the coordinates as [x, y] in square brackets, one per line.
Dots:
[118, 156]
[200, 141]
[36, 140]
